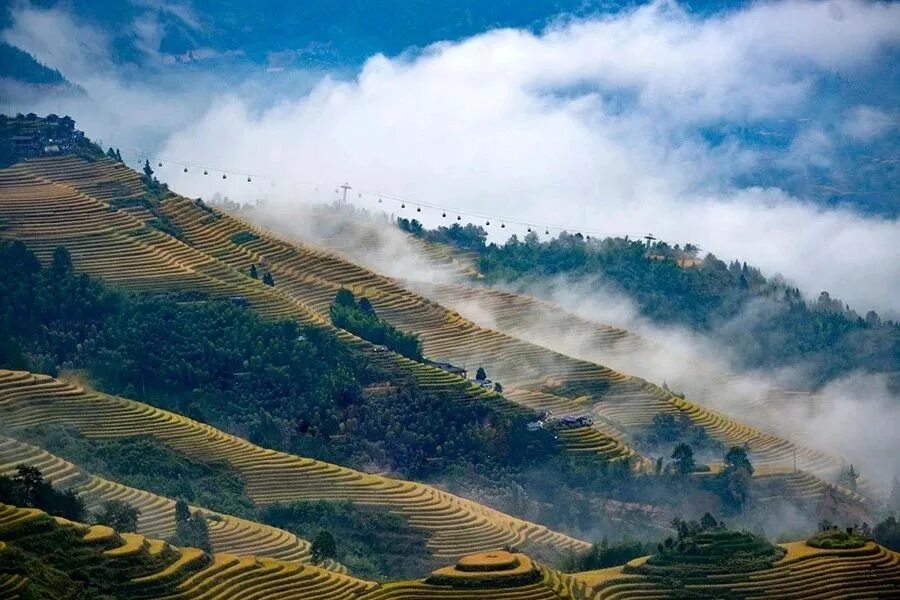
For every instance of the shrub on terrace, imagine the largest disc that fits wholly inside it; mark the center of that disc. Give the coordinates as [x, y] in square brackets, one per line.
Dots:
[704, 548]
[119, 515]
[837, 538]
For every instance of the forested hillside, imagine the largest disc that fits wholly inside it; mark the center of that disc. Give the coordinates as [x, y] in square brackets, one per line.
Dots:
[277, 383]
[764, 322]
[18, 65]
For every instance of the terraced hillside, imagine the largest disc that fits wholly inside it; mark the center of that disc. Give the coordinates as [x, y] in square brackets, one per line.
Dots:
[548, 324]
[497, 575]
[133, 566]
[871, 571]
[455, 526]
[126, 251]
[543, 378]
[120, 247]
[227, 533]
[449, 276]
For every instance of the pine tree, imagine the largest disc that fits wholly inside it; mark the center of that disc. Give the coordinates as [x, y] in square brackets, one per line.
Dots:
[683, 456]
[480, 374]
[148, 172]
[268, 280]
[62, 261]
[253, 273]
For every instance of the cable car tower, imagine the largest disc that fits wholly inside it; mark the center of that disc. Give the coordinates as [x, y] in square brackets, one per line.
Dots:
[345, 187]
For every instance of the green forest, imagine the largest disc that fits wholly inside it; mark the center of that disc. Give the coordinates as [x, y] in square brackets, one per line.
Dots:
[763, 322]
[21, 66]
[277, 383]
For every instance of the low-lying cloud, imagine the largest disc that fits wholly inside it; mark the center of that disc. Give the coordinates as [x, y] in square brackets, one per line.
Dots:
[595, 123]
[601, 124]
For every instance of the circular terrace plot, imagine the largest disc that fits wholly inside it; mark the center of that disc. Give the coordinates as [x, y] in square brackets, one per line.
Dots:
[497, 568]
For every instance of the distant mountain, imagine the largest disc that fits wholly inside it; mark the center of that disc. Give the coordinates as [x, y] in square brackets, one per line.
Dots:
[317, 33]
[20, 66]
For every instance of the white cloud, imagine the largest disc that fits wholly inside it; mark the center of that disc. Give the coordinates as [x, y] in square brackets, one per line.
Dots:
[864, 123]
[592, 123]
[132, 113]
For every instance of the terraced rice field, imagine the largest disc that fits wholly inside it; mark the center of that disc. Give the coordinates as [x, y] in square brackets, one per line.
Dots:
[47, 203]
[455, 526]
[227, 533]
[124, 250]
[619, 401]
[151, 568]
[804, 573]
[754, 402]
[485, 577]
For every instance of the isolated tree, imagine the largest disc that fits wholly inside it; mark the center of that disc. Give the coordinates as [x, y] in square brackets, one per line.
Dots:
[736, 458]
[498, 388]
[253, 272]
[323, 546]
[62, 261]
[182, 511]
[148, 172]
[683, 457]
[849, 477]
[736, 477]
[887, 533]
[344, 297]
[31, 481]
[268, 280]
[119, 515]
[365, 305]
[190, 528]
[480, 375]
[707, 521]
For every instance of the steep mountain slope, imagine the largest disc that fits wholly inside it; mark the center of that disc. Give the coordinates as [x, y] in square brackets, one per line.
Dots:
[157, 513]
[542, 378]
[95, 210]
[447, 275]
[43, 556]
[871, 571]
[47, 557]
[456, 526]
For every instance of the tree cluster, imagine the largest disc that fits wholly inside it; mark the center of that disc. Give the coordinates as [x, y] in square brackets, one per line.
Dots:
[28, 488]
[276, 382]
[360, 319]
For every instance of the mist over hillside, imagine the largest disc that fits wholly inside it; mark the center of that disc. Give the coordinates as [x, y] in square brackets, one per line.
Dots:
[792, 146]
[558, 299]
